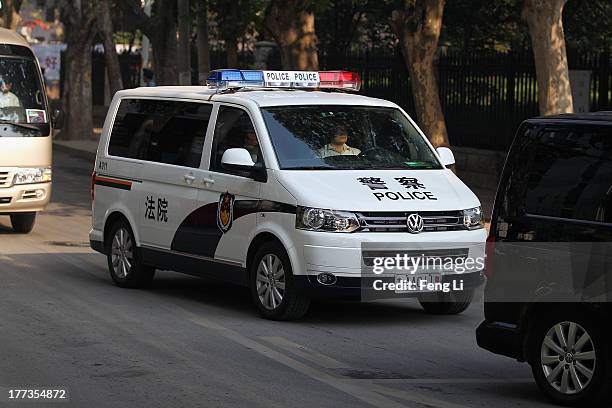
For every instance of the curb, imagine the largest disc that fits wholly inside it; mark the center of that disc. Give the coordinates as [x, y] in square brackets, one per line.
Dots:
[81, 154]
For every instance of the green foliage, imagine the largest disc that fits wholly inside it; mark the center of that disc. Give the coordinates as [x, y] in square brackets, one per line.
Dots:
[484, 24]
[587, 24]
[233, 17]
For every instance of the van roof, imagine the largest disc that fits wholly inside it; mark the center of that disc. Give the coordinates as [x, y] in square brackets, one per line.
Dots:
[601, 116]
[261, 96]
[12, 38]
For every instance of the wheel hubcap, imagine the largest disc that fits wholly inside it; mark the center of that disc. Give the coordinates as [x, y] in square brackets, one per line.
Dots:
[121, 253]
[270, 281]
[568, 357]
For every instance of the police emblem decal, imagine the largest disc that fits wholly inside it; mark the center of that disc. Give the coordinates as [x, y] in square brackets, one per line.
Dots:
[225, 212]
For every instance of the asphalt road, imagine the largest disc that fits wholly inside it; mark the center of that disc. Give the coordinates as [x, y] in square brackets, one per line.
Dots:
[190, 342]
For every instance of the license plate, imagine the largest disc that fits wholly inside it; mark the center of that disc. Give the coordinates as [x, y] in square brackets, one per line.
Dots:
[415, 283]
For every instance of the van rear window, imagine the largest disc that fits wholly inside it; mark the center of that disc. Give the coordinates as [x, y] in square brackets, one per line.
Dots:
[160, 131]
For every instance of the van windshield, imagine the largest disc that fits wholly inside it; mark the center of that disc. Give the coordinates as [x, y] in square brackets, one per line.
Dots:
[340, 137]
[21, 98]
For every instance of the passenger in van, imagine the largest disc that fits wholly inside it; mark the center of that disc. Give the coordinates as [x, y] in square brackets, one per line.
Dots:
[338, 146]
[7, 98]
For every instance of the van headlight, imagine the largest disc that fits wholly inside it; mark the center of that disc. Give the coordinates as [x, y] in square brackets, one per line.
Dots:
[32, 175]
[472, 218]
[317, 219]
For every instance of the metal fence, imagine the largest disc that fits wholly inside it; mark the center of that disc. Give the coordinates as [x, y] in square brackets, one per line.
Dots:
[484, 95]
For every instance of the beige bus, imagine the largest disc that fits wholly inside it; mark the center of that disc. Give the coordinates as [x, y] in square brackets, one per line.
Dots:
[25, 134]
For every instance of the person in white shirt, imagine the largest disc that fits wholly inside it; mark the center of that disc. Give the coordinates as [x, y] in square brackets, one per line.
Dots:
[7, 98]
[338, 146]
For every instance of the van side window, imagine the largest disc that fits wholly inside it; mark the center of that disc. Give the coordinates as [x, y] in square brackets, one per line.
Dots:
[160, 131]
[571, 175]
[233, 129]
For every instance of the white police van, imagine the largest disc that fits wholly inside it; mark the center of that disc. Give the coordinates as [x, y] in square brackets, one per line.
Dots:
[277, 181]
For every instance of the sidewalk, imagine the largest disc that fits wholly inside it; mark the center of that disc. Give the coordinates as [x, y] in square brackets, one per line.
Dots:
[86, 149]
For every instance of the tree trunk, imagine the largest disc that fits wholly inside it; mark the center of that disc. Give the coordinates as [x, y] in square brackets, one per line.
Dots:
[105, 27]
[292, 26]
[203, 48]
[231, 46]
[184, 41]
[10, 13]
[544, 18]
[77, 93]
[418, 30]
[164, 44]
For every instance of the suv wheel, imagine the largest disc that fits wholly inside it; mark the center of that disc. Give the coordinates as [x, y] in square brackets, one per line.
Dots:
[446, 303]
[23, 223]
[272, 286]
[124, 260]
[569, 361]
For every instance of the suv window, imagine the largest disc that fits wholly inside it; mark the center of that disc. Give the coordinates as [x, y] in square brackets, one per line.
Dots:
[570, 174]
[160, 131]
[233, 129]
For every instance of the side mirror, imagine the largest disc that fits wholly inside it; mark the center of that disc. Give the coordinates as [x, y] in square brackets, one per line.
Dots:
[239, 160]
[446, 156]
[57, 119]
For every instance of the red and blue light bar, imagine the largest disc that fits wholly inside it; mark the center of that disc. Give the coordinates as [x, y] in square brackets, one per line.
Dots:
[236, 78]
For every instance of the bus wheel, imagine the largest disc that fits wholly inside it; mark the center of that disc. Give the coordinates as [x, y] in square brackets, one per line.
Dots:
[23, 223]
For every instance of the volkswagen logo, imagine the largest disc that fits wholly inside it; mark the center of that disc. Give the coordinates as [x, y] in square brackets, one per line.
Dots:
[415, 223]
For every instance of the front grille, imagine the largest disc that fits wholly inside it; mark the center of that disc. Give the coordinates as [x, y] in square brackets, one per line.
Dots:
[435, 256]
[434, 221]
[5, 179]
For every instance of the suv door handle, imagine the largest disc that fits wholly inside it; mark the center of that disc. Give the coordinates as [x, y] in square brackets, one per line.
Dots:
[189, 178]
[206, 180]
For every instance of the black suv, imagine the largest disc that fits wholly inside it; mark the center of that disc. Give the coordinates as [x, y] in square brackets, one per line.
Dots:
[549, 257]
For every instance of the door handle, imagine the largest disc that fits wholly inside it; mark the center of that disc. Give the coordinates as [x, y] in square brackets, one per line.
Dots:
[206, 180]
[189, 178]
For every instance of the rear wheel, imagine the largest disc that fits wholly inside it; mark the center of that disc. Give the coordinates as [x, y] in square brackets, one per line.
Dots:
[272, 285]
[446, 302]
[569, 360]
[124, 259]
[23, 223]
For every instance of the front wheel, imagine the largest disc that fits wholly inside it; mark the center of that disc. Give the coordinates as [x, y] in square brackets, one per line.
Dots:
[124, 260]
[569, 360]
[23, 223]
[441, 303]
[272, 286]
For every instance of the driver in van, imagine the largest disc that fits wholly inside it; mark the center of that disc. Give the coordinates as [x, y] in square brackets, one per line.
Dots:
[338, 146]
[251, 144]
[7, 98]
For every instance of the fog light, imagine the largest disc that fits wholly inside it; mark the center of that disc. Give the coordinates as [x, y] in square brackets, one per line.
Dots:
[326, 278]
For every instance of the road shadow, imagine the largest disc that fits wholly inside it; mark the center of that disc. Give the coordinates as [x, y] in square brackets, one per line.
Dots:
[233, 299]
[238, 299]
[5, 225]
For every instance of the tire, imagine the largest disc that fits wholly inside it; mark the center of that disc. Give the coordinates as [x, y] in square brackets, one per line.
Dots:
[23, 223]
[271, 280]
[441, 303]
[124, 260]
[596, 390]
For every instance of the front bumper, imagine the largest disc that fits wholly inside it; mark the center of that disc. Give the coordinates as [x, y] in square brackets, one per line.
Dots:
[25, 198]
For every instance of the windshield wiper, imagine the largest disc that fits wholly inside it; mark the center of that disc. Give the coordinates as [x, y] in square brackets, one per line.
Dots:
[21, 125]
[311, 168]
